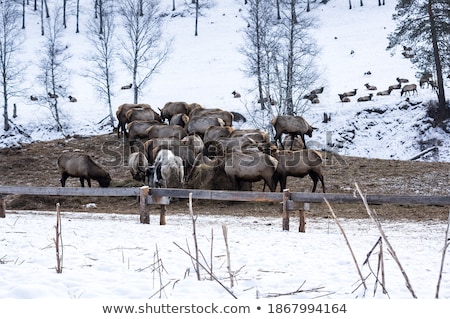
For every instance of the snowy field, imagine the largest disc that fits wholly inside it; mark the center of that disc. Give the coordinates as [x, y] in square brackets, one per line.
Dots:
[114, 256]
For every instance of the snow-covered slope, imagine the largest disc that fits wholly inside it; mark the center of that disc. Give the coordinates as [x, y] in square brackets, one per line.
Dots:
[208, 67]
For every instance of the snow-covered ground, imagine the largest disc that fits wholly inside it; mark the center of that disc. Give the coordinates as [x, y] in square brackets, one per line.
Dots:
[114, 256]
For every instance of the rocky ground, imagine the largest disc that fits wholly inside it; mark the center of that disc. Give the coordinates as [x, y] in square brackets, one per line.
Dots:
[35, 165]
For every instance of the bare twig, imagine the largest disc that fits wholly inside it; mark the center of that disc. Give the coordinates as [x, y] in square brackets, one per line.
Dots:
[377, 280]
[159, 269]
[380, 265]
[58, 241]
[194, 234]
[192, 261]
[211, 251]
[348, 243]
[158, 264]
[204, 260]
[225, 237]
[444, 250]
[375, 219]
[381, 260]
[371, 251]
[206, 269]
[159, 291]
[360, 283]
[210, 266]
[299, 290]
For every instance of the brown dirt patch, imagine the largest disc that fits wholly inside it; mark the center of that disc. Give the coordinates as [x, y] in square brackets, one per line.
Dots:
[35, 165]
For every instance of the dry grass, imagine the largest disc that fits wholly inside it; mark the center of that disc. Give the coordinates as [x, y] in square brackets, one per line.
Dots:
[35, 164]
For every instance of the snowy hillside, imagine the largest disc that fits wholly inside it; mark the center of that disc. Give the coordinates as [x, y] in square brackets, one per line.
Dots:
[207, 68]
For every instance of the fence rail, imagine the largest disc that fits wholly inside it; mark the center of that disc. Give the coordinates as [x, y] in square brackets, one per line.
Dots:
[161, 196]
[69, 191]
[301, 197]
[226, 195]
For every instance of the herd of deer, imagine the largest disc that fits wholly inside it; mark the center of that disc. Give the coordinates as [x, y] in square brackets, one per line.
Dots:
[405, 89]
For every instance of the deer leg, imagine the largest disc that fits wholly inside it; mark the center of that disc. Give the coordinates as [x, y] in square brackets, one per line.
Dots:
[277, 139]
[303, 140]
[63, 179]
[315, 180]
[234, 183]
[238, 186]
[321, 180]
[292, 141]
[283, 182]
[271, 183]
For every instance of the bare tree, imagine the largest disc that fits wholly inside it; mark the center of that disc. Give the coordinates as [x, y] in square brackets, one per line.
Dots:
[77, 30]
[10, 43]
[100, 15]
[96, 9]
[47, 12]
[278, 10]
[259, 47]
[54, 75]
[64, 13]
[103, 56]
[44, 5]
[197, 9]
[23, 14]
[144, 52]
[280, 57]
[42, 18]
[293, 61]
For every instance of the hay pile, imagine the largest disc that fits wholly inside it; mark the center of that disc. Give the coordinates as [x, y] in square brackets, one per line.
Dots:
[207, 176]
[213, 177]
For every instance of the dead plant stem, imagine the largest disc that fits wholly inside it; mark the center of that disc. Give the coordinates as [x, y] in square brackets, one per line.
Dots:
[58, 240]
[444, 250]
[206, 269]
[348, 243]
[375, 219]
[194, 234]
[225, 237]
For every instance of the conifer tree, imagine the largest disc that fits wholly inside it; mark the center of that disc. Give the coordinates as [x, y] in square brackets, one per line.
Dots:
[424, 26]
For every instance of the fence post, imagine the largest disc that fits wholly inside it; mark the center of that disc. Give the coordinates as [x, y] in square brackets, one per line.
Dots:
[302, 217]
[2, 207]
[285, 210]
[162, 215]
[143, 209]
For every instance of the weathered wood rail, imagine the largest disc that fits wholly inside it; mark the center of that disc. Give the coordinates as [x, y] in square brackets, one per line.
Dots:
[301, 197]
[226, 195]
[161, 196]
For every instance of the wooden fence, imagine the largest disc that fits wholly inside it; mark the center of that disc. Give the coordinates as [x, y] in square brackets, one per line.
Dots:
[161, 196]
